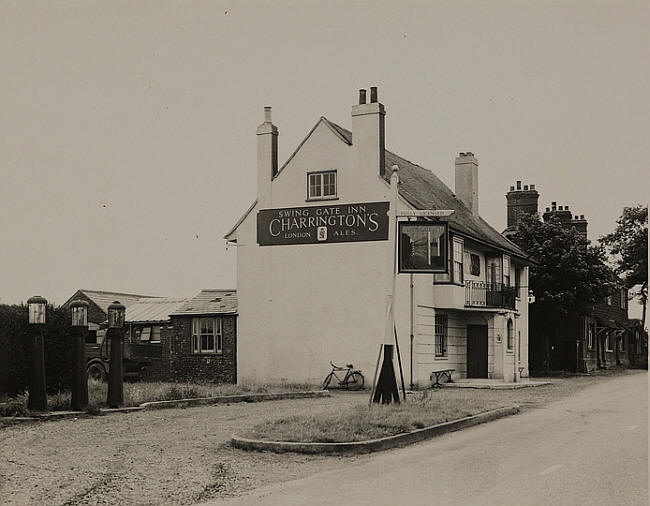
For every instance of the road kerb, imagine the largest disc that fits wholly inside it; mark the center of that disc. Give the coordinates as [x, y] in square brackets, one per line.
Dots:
[373, 445]
[178, 403]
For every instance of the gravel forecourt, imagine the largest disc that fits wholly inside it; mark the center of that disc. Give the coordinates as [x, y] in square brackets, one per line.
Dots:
[178, 456]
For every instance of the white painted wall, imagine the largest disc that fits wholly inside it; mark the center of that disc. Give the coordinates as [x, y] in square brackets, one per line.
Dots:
[301, 306]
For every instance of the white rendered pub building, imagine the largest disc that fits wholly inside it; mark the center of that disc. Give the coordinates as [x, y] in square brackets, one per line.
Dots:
[314, 265]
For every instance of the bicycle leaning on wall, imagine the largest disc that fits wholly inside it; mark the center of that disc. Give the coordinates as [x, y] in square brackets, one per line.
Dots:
[353, 379]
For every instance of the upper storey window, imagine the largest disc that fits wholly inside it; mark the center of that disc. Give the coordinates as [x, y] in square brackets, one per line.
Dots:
[321, 185]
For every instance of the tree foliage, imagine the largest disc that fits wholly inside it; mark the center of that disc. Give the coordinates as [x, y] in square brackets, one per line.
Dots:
[570, 276]
[629, 246]
[15, 349]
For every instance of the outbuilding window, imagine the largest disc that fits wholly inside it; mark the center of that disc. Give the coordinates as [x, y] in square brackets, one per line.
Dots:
[207, 335]
[321, 185]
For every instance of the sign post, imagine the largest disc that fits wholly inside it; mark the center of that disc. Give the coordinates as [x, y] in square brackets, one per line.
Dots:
[421, 248]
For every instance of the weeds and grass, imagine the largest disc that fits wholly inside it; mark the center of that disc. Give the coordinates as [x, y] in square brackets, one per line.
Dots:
[360, 423]
[140, 392]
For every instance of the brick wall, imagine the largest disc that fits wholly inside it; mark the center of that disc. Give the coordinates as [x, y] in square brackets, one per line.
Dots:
[95, 313]
[187, 366]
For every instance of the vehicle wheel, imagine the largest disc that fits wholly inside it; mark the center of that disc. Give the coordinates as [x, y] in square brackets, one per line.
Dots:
[96, 372]
[355, 381]
[327, 381]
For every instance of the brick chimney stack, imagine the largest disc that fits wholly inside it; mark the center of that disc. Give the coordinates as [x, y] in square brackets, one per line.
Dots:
[466, 180]
[368, 134]
[267, 158]
[520, 203]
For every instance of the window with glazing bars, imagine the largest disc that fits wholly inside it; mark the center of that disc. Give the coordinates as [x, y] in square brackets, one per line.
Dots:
[441, 335]
[321, 185]
[207, 335]
[458, 261]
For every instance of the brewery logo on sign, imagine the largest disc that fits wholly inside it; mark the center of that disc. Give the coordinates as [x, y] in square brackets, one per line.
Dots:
[366, 221]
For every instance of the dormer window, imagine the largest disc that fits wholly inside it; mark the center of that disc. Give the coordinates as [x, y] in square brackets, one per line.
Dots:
[321, 185]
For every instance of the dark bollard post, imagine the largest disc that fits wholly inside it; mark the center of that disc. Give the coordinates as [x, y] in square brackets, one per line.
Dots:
[78, 331]
[37, 393]
[115, 334]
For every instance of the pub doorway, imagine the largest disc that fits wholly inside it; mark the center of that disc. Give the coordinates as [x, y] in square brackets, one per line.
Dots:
[477, 351]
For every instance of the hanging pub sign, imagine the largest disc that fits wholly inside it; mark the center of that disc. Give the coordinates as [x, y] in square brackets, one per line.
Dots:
[422, 247]
[366, 221]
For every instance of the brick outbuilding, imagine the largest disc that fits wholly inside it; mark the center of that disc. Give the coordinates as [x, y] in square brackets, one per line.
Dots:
[202, 341]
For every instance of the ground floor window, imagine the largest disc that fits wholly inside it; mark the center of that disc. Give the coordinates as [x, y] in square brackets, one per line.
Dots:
[511, 335]
[207, 336]
[441, 335]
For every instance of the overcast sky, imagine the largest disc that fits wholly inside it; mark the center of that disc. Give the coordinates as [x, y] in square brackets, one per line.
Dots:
[127, 129]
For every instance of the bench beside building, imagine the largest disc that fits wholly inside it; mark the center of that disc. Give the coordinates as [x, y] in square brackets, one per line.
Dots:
[313, 270]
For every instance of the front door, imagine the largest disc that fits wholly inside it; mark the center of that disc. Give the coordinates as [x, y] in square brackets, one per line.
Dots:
[477, 351]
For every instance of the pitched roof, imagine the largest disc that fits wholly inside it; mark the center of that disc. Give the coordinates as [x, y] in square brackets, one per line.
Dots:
[153, 310]
[423, 190]
[209, 302]
[104, 299]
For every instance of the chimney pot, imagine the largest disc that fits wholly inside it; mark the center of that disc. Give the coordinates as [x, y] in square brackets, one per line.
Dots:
[362, 97]
[512, 188]
[548, 209]
[559, 208]
[267, 114]
[532, 186]
[566, 208]
[518, 185]
[582, 216]
[576, 217]
[526, 187]
[373, 94]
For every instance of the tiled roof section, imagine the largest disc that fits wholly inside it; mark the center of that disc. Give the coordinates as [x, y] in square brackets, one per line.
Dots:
[209, 302]
[423, 190]
[153, 310]
[105, 299]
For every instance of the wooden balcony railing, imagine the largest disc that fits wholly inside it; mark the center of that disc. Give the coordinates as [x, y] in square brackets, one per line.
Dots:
[492, 295]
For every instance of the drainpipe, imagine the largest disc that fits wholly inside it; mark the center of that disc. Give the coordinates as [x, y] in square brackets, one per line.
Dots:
[411, 326]
[514, 352]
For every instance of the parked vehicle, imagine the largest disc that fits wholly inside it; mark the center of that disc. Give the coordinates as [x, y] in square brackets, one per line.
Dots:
[139, 358]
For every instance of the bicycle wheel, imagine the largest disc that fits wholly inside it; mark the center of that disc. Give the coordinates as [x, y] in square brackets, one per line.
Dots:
[355, 381]
[327, 381]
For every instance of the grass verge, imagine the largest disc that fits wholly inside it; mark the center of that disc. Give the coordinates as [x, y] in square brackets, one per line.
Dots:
[138, 393]
[361, 423]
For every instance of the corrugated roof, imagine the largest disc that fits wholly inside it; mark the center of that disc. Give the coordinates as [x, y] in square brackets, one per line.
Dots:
[105, 299]
[153, 310]
[423, 190]
[209, 302]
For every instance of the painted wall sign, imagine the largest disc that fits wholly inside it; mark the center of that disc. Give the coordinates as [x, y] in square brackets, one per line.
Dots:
[367, 221]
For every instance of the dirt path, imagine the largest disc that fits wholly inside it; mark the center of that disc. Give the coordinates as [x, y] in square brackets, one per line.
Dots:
[176, 456]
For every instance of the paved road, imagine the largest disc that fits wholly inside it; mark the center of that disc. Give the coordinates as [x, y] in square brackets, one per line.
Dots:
[590, 448]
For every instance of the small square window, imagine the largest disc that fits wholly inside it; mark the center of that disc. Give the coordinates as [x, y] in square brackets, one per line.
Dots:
[321, 185]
